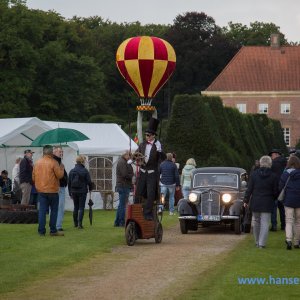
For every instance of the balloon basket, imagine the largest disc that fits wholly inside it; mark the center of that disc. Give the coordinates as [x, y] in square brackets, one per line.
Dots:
[145, 108]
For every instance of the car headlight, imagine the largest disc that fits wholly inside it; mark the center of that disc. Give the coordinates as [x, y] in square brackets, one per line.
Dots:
[193, 197]
[226, 198]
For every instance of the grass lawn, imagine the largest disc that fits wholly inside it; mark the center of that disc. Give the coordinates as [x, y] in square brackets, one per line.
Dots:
[26, 257]
[249, 261]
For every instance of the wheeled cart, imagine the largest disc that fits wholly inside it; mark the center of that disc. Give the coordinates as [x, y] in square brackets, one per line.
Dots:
[137, 227]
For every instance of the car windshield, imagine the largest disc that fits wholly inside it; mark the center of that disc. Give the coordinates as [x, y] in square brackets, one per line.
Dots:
[215, 179]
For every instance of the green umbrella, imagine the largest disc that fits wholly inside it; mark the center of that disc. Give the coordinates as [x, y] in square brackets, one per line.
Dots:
[59, 136]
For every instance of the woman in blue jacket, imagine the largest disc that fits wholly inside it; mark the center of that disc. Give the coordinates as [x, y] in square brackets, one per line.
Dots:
[79, 184]
[291, 201]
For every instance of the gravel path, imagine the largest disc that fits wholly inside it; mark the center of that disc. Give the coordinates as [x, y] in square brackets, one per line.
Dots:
[143, 271]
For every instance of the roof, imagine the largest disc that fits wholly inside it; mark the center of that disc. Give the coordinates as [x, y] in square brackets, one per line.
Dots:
[261, 68]
[219, 170]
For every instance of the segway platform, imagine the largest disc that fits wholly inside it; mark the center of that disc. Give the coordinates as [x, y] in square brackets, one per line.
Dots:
[139, 228]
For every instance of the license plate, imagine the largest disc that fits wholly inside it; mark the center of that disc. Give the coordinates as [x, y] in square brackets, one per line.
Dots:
[208, 218]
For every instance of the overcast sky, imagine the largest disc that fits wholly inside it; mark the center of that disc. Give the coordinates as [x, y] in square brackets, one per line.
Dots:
[283, 13]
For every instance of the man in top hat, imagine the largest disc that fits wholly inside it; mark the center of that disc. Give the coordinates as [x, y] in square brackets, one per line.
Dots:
[148, 178]
[26, 166]
[278, 165]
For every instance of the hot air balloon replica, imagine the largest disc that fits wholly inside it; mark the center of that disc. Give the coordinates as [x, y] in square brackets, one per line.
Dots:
[146, 63]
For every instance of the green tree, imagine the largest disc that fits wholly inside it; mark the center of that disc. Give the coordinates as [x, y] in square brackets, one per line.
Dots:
[201, 50]
[257, 34]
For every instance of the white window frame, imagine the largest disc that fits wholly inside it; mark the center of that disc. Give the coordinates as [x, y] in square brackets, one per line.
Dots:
[285, 108]
[287, 136]
[263, 108]
[101, 170]
[242, 107]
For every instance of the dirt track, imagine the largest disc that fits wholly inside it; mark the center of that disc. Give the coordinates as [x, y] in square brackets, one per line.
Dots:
[143, 271]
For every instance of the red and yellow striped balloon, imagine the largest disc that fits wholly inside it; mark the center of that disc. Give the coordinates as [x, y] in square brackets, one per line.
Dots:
[146, 63]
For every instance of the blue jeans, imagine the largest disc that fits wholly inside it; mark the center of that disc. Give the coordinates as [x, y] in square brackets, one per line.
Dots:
[164, 189]
[123, 197]
[61, 207]
[47, 200]
[186, 191]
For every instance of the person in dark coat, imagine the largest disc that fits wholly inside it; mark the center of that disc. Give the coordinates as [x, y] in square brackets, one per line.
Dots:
[123, 186]
[278, 166]
[148, 178]
[26, 167]
[79, 184]
[5, 182]
[261, 193]
[291, 201]
[169, 180]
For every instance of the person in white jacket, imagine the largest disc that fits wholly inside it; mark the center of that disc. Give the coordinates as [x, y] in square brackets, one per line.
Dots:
[15, 177]
[186, 177]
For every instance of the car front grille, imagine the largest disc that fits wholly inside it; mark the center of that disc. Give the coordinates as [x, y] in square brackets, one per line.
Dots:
[210, 203]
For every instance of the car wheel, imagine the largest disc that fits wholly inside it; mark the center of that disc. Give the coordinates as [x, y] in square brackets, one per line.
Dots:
[158, 233]
[184, 226]
[238, 226]
[130, 234]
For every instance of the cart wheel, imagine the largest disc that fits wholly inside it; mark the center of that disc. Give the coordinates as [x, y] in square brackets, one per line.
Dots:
[130, 234]
[158, 233]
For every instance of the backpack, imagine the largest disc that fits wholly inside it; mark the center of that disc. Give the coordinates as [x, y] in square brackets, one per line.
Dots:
[76, 182]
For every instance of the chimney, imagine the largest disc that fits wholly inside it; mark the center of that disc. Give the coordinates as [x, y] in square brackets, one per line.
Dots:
[275, 41]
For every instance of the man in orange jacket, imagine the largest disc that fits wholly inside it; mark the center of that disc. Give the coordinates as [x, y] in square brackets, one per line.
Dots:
[46, 174]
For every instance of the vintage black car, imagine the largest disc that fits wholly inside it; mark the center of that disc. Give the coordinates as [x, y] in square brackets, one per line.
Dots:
[216, 197]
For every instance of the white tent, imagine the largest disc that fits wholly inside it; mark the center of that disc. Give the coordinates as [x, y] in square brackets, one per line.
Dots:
[16, 135]
[105, 139]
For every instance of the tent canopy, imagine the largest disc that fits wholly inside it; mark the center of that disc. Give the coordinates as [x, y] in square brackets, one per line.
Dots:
[105, 139]
[18, 132]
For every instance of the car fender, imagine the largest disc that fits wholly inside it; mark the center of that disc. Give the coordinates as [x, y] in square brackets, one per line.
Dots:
[236, 208]
[184, 207]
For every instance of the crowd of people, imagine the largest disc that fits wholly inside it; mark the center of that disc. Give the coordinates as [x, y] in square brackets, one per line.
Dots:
[45, 183]
[269, 176]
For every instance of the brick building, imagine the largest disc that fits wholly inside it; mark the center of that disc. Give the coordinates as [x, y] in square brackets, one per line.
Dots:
[264, 80]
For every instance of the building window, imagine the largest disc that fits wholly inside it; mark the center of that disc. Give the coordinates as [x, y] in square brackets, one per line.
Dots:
[263, 108]
[242, 107]
[101, 172]
[285, 108]
[287, 136]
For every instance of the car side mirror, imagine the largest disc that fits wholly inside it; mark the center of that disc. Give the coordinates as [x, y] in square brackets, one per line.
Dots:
[244, 184]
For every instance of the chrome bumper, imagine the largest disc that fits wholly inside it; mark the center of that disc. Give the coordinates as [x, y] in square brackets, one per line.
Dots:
[195, 218]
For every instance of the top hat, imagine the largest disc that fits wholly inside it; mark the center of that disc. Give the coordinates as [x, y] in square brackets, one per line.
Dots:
[152, 126]
[275, 151]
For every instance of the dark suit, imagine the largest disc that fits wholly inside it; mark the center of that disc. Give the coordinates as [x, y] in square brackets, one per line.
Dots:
[278, 166]
[148, 178]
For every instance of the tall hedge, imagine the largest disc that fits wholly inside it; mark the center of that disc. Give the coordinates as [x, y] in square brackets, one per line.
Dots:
[202, 128]
[190, 129]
